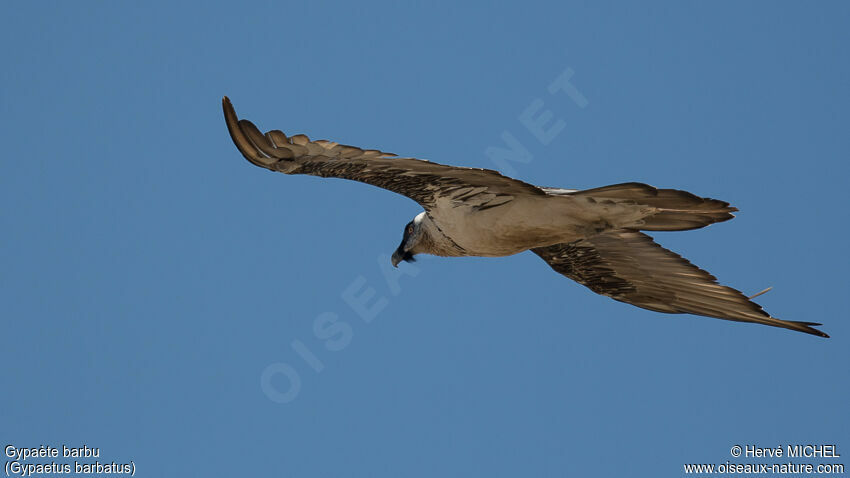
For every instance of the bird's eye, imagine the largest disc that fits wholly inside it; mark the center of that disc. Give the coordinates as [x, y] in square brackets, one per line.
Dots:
[410, 229]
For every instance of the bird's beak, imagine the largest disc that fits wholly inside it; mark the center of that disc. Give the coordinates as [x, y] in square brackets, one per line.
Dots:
[396, 258]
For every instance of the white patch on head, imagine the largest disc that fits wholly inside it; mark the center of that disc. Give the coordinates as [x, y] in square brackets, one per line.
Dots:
[418, 219]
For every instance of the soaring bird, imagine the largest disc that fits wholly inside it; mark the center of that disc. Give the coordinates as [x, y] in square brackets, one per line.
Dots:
[591, 236]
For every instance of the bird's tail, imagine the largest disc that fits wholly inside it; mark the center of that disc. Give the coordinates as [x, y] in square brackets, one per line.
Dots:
[677, 210]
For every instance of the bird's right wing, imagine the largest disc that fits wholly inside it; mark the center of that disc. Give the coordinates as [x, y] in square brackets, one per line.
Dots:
[630, 267]
[420, 180]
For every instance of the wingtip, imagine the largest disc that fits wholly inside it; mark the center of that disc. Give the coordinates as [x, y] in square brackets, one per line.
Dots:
[808, 328]
[819, 333]
[242, 142]
[227, 105]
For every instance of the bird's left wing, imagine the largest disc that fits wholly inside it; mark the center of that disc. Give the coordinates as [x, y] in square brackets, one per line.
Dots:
[420, 180]
[630, 267]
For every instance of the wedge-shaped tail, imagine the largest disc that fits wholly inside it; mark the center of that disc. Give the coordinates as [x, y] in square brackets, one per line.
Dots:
[677, 210]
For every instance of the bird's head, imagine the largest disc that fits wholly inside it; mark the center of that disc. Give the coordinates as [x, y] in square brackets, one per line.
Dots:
[411, 242]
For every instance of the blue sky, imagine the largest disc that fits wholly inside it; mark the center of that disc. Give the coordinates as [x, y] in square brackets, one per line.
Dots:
[159, 293]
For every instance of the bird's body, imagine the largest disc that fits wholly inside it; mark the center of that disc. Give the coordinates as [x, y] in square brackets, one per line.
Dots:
[591, 236]
[527, 222]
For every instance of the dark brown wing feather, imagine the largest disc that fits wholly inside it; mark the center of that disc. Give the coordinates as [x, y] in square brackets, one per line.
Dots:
[630, 267]
[420, 180]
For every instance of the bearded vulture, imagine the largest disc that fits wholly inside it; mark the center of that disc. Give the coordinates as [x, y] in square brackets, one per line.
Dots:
[592, 236]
